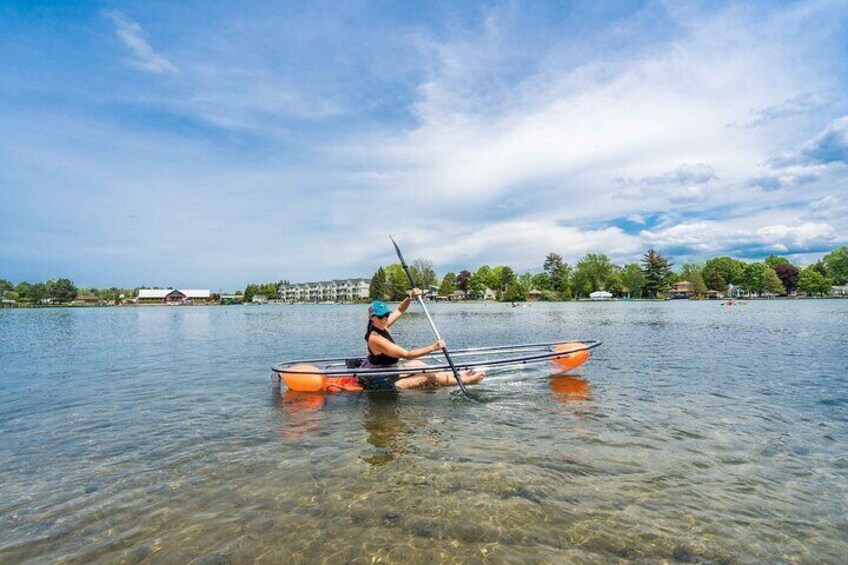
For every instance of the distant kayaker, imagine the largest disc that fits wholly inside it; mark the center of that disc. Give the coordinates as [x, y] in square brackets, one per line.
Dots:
[383, 352]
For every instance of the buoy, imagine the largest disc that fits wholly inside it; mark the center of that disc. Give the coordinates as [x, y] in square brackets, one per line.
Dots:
[573, 360]
[306, 379]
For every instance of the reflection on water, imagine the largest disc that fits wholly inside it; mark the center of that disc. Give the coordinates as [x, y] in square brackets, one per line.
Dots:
[569, 388]
[694, 434]
[386, 430]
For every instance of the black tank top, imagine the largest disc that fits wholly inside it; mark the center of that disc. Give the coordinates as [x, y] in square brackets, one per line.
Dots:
[379, 360]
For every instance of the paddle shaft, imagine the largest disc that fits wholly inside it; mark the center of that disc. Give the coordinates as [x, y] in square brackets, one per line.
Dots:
[429, 319]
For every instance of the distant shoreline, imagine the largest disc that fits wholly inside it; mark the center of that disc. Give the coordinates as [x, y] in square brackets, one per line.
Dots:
[518, 304]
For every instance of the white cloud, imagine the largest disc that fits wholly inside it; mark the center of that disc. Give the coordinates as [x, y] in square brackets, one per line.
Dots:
[711, 237]
[132, 36]
[686, 183]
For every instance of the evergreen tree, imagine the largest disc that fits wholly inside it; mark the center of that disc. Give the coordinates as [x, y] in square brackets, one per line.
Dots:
[559, 273]
[552, 262]
[378, 289]
[657, 269]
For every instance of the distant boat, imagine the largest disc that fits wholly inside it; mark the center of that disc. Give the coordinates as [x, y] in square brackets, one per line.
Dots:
[600, 295]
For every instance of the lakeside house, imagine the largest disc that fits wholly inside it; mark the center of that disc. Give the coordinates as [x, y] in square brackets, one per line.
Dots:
[489, 294]
[339, 290]
[680, 290]
[736, 291]
[172, 296]
[534, 294]
[230, 299]
[839, 291]
[259, 299]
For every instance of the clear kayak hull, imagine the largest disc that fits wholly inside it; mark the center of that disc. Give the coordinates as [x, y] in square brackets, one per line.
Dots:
[344, 374]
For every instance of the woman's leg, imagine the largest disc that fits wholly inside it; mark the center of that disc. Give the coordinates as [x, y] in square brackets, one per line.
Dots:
[416, 380]
[443, 378]
[468, 377]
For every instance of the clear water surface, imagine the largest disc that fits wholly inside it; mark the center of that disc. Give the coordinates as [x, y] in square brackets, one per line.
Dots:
[697, 433]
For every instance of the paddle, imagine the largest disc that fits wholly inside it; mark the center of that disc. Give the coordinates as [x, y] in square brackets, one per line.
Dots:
[429, 319]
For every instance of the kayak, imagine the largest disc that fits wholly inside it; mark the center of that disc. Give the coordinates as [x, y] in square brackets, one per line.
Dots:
[342, 374]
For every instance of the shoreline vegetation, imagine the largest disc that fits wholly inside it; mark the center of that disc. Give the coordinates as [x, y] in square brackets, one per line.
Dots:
[653, 278]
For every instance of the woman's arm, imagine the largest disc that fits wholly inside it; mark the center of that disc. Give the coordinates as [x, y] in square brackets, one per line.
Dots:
[379, 344]
[393, 317]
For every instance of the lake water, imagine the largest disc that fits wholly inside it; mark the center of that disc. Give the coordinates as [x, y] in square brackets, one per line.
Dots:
[697, 433]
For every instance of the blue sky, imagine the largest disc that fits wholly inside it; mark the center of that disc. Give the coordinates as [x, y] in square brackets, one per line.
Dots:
[211, 144]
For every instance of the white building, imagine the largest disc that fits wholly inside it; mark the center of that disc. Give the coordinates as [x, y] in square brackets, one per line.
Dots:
[341, 290]
[172, 295]
[600, 295]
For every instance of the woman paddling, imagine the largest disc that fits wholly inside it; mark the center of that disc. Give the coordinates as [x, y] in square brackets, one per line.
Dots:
[383, 352]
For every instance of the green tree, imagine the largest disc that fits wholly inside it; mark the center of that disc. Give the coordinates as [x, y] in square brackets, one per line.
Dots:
[507, 277]
[63, 290]
[514, 292]
[615, 281]
[730, 269]
[593, 272]
[6, 286]
[397, 282]
[771, 282]
[772, 261]
[688, 270]
[493, 280]
[633, 279]
[811, 281]
[378, 289]
[657, 269]
[752, 277]
[447, 287]
[423, 273]
[250, 291]
[820, 267]
[559, 273]
[462, 280]
[476, 287]
[23, 290]
[699, 287]
[552, 262]
[38, 292]
[837, 265]
[542, 281]
[713, 279]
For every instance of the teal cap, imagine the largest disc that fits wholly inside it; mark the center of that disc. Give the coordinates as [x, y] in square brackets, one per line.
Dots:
[379, 308]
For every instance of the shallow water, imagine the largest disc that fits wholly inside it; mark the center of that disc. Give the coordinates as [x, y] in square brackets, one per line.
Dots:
[696, 433]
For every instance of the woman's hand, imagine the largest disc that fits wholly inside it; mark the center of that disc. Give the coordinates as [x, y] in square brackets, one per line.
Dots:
[438, 345]
[414, 293]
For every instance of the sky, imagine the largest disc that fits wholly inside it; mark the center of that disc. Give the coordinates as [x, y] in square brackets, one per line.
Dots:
[211, 144]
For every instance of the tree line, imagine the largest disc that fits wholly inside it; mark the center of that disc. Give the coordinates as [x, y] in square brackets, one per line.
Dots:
[649, 278]
[58, 291]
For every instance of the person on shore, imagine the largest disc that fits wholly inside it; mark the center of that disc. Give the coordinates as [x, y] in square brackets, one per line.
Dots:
[383, 352]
